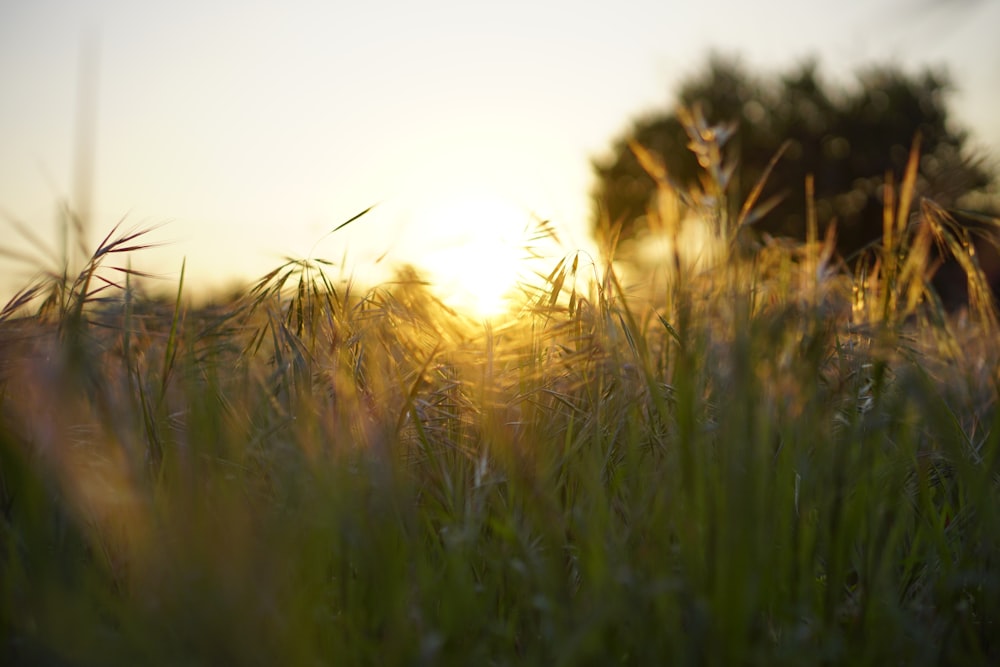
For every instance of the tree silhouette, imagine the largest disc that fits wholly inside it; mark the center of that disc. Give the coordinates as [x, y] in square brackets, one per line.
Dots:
[847, 138]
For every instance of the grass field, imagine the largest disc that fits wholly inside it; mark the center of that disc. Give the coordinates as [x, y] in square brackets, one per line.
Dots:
[771, 461]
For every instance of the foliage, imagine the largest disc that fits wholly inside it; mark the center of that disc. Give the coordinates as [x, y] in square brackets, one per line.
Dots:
[845, 139]
[772, 461]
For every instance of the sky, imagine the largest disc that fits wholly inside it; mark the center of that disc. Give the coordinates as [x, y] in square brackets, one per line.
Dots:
[253, 129]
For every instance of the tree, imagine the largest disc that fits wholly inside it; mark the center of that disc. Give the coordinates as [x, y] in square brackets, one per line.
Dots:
[848, 139]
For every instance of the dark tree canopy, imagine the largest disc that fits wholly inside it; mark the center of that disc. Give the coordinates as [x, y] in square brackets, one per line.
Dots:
[848, 139]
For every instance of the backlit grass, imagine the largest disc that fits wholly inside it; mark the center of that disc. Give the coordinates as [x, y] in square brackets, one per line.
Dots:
[773, 460]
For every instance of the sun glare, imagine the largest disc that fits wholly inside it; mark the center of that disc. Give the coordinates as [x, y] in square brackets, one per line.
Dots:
[475, 250]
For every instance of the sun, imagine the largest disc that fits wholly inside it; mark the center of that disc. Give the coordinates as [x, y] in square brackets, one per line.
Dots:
[474, 249]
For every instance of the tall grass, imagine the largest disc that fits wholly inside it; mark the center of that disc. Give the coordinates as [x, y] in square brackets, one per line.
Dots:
[773, 460]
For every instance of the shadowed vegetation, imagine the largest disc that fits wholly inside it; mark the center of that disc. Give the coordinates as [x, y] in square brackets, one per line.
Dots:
[797, 125]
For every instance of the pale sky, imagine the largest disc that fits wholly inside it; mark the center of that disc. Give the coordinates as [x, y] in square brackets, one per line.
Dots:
[254, 128]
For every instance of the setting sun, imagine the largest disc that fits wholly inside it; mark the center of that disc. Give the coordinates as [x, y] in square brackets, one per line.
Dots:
[479, 254]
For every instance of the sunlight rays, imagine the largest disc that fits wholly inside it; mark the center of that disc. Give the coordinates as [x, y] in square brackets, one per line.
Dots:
[480, 255]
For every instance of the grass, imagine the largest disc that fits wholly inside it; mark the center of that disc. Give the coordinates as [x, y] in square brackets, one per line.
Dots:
[777, 460]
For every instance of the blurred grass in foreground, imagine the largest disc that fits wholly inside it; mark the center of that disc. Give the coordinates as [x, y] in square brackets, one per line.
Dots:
[774, 460]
